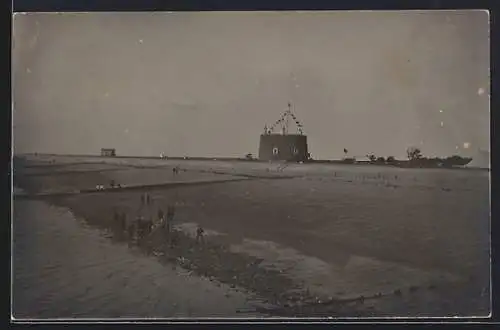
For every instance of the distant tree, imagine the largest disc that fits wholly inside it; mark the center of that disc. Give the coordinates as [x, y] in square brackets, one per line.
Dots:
[390, 160]
[413, 153]
[372, 158]
[380, 160]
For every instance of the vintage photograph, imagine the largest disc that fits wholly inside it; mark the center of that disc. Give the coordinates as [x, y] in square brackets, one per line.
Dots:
[201, 165]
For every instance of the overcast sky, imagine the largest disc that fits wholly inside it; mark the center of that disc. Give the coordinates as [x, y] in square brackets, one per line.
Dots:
[205, 84]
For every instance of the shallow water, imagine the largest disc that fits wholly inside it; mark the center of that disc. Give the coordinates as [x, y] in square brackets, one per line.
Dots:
[348, 230]
[425, 292]
[64, 269]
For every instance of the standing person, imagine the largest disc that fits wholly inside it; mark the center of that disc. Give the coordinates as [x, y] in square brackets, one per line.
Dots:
[199, 235]
[142, 198]
[161, 220]
[148, 199]
[149, 225]
[170, 217]
[140, 226]
[131, 229]
[146, 227]
[175, 170]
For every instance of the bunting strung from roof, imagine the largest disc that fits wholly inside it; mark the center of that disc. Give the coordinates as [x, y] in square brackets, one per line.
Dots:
[282, 121]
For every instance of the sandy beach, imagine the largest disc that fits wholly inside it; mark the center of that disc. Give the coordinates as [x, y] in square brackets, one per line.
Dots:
[310, 240]
[67, 269]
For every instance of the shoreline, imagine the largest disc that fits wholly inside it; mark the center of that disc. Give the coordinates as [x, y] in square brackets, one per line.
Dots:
[279, 295]
[71, 287]
[402, 164]
[215, 261]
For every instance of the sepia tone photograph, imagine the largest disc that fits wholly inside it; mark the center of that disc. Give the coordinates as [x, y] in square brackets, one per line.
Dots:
[250, 165]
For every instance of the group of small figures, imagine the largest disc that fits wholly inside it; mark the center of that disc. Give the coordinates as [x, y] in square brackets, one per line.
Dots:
[175, 170]
[144, 226]
[112, 184]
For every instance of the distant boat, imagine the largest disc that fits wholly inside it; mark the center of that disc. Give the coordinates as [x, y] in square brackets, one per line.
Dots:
[481, 159]
[456, 161]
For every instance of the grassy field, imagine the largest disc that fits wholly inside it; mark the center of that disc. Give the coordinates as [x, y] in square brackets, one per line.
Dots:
[329, 233]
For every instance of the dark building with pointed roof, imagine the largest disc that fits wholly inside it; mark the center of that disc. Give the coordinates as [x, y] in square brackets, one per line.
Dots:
[284, 146]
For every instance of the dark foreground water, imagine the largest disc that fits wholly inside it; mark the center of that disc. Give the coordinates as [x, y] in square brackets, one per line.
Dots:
[64, 269]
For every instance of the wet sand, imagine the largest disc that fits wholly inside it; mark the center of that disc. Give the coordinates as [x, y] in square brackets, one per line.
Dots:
[314, 244]
[65, 268]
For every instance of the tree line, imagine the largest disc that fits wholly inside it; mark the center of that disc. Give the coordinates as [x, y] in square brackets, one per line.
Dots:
[416, 159]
